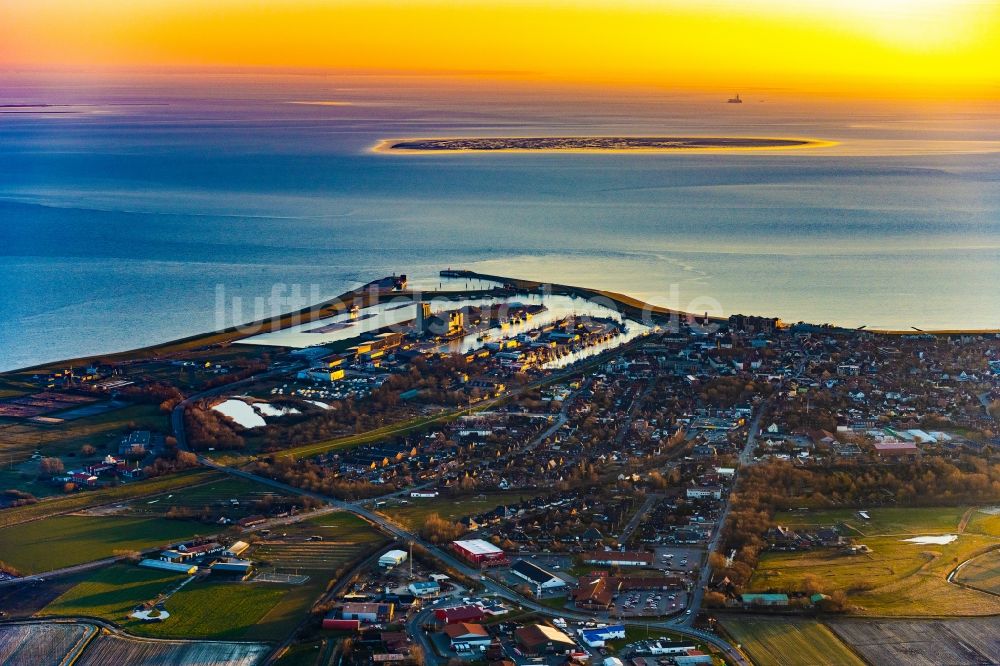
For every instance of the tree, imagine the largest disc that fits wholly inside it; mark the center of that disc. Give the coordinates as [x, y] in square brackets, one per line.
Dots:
[51, 467]
[87, 450]
[811, 584]
[132, 556]
[186, 459]
[437, 529]
[714, 599]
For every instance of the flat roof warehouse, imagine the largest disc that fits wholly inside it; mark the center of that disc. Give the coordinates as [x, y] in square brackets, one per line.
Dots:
[478, 547]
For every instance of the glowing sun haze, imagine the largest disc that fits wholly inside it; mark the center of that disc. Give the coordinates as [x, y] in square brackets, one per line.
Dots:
[931, 48]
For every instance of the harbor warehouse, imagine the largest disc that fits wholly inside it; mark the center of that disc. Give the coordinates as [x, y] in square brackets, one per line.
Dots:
[478, 551]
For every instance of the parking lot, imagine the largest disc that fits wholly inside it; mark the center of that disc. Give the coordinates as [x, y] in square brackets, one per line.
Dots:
[678, 558]
[556, 563]
[650, 604]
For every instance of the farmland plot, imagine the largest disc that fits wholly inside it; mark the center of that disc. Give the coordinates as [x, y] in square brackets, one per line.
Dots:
[342, 539]
[41, 643]
[143, 652]
[982, 573]
[776, 641]
[955, 642]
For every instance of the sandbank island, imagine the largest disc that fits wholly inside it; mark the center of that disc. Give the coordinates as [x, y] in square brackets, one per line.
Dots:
[596, 144]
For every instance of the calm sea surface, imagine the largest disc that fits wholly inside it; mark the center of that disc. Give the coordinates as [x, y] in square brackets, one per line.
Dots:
[127, 205]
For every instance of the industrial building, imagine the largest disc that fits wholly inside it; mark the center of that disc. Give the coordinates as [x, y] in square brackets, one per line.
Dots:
[538, 577]
[464, 636]
[177, 567]
[392, 558]
[367, 612]
[709, 492]
[236, 549]
[478, 551]
[467, 613]
[422, 589]
[236, 567]
[537, 639]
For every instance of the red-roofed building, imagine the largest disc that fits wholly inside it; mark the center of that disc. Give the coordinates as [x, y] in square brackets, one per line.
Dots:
[459, 614]
[467, 634]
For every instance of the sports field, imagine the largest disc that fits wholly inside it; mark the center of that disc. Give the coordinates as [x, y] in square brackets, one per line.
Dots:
[898, 577]
[788, 642]
[895, 520]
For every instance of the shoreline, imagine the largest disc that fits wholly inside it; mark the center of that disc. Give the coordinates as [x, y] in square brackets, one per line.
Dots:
[389, 146]
[628, 306]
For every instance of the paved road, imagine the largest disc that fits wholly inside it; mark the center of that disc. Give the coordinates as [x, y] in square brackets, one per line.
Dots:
[413, 628]
[746, 458]
[61, 572]
[633, 522]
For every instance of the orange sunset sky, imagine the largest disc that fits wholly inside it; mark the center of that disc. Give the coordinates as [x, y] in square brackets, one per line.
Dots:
[948, 49]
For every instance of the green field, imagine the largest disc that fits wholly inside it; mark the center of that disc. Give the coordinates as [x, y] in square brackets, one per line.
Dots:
[413, 514]
[62, 541]
[788, 642]
[920, 520]
[199, 609]
[218, 610]
[302, 654]
[984, 523]
[84, 499]
[113, 592]
[215, 495]
[898, 577]
[19, 439]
